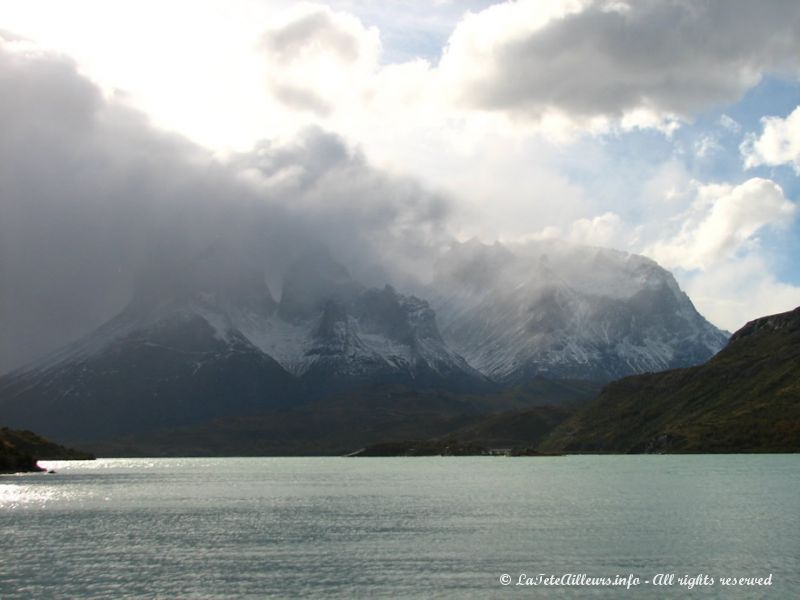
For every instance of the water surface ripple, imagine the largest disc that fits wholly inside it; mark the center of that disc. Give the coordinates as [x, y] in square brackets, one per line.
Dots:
[398, 527]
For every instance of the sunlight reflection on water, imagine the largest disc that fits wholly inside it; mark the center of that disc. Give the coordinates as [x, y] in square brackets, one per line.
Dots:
[393, 527]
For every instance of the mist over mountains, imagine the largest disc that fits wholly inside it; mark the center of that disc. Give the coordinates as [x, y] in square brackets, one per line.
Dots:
[149, 285]
[101, 212]
[94, 199]
[211, 341]
[566, 311]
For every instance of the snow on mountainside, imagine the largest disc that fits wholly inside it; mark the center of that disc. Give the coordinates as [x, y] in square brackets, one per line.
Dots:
[324, 317]
[565, 311]
[332, 332]
[207, 340]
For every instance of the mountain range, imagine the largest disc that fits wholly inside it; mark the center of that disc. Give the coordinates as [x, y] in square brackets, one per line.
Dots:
[744, 399]
[205, 339]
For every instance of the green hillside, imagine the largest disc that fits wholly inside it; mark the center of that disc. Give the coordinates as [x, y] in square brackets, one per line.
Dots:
[518, 417]
[745, 399]
[19, 451]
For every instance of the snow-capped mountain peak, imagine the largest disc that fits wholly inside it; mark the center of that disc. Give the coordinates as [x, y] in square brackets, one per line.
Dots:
[565, 310]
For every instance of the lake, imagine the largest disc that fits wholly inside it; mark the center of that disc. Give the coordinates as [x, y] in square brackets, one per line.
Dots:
[440, 527]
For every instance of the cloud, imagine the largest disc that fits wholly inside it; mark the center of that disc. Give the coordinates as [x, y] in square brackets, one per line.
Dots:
[90, 191]
[604, 230]
[644, 63]
[92, 198]
[557, 68]
[730, 123]
[312, 30]
[488, 121]
[317, 58]
[708, 235]
[723, 221]
[607, 230]
[739, 290]
[329, 192]
[301, 98]
[706, 145]
[714, 247]
[778, 144]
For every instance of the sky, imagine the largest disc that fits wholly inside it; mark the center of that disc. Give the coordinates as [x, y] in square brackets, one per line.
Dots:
[131, 130]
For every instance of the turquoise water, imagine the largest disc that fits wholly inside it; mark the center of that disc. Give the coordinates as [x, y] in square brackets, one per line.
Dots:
[399, 527]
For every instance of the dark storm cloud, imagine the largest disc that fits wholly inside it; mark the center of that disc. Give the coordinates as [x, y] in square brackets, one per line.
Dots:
[672, 56]
[92, 197]
[330, 193]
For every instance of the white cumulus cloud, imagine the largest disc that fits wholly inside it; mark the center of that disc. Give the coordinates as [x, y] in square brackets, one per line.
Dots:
[736, 291]
[722, 221]
[778, 144]
[710, 236]
[605, 230]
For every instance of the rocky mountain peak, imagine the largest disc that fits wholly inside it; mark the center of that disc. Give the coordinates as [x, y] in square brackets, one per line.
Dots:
[565, 310]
